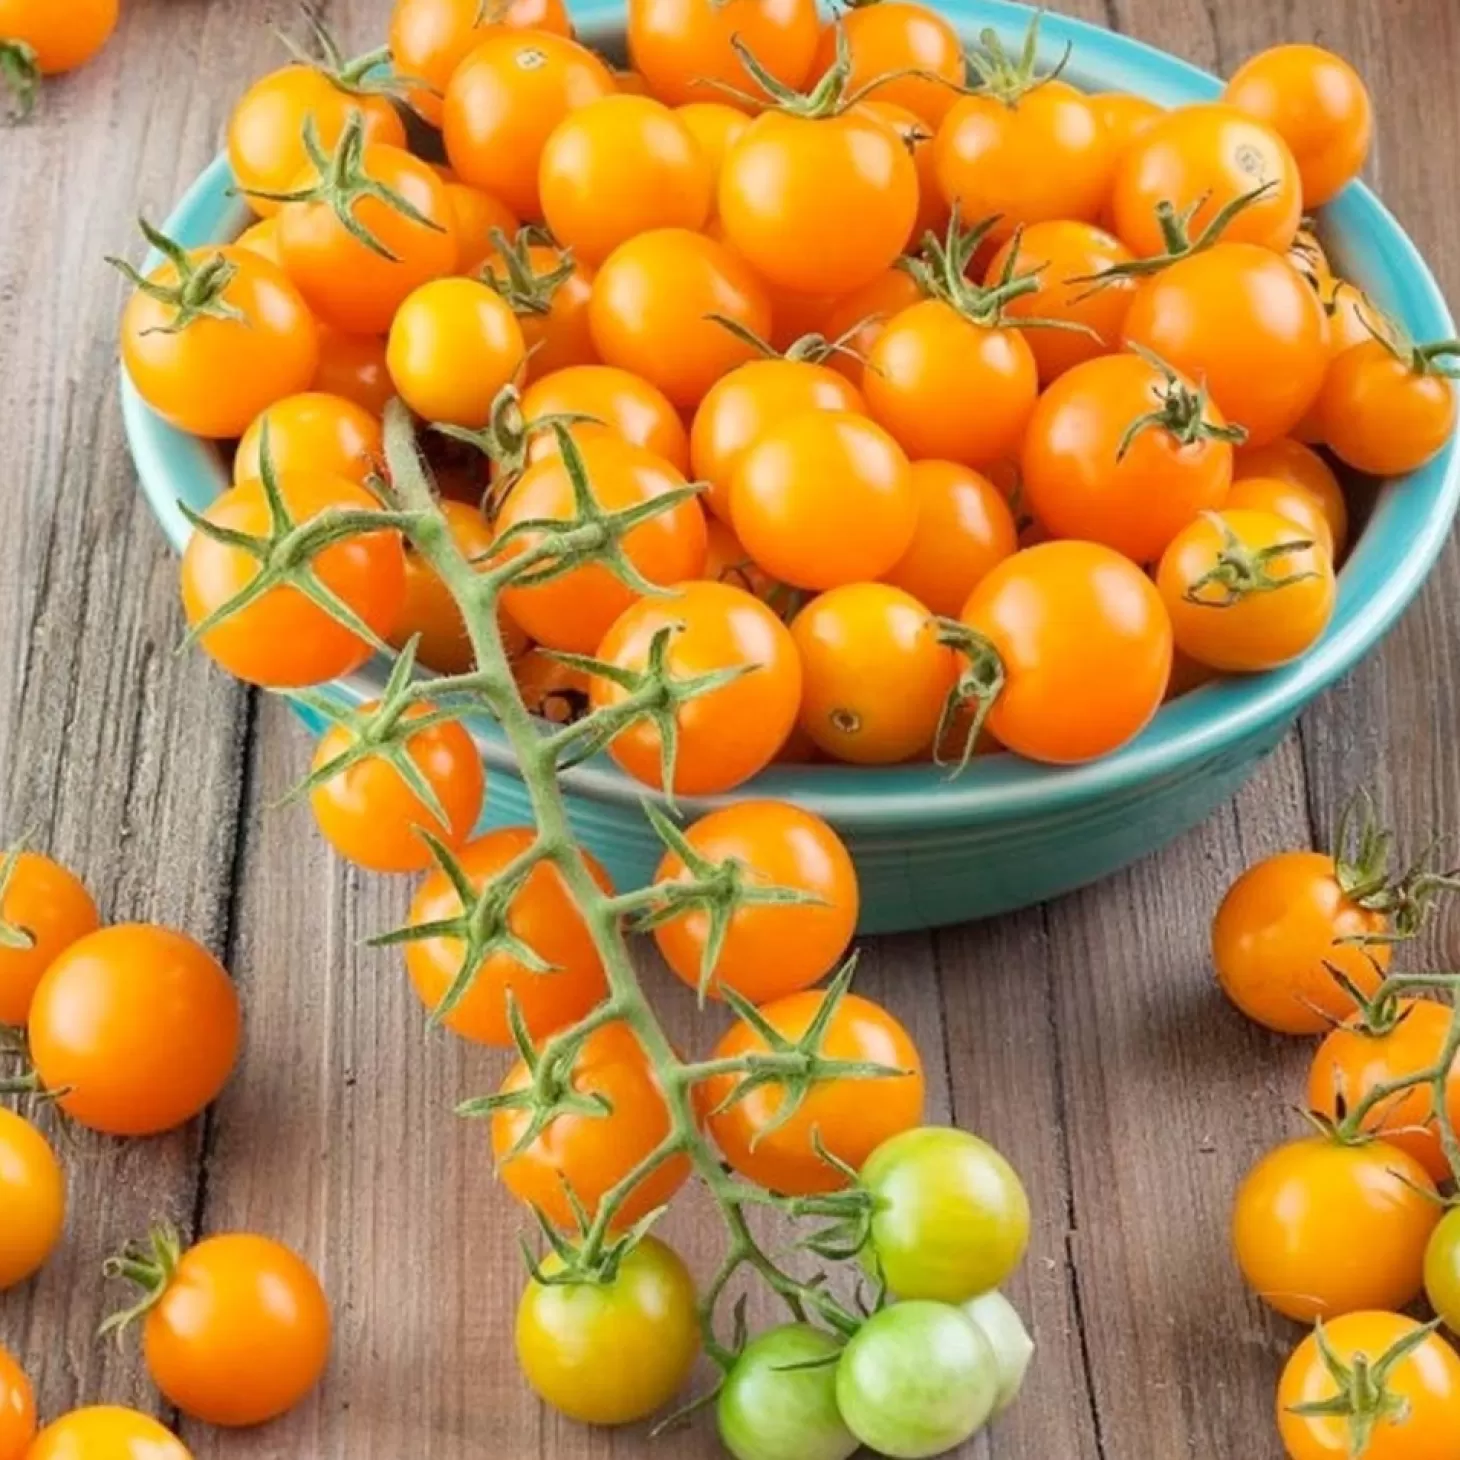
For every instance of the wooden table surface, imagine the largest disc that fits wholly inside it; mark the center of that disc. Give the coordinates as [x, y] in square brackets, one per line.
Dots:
[1085, 1038]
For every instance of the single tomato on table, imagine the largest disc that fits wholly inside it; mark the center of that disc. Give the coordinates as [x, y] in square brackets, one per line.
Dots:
[33, 1188]
[17, 1409]
[44, 909]
[107, 1432]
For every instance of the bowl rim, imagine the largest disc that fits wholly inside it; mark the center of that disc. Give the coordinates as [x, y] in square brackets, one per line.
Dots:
[1385, 570]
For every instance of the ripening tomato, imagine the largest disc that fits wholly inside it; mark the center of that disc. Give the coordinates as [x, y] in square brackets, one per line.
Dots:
[1073, 623]
[1384, 413]
[592, 1153]
[1299, 465]
[574, 612]
[34, 1190]
[964, 529]
[683, 47]
[282, 639]
[913, 46]
[1123, 117]
[951, 387]
[715, 126]
[819, 205]
[1416, 1413]
[371, 816]
[346, 282]
[770, 949]
[313, 432]
[1318, 104]
[1123, 452]
[824, 498]
[266, 129]
[1320, 1228]
[503, 102]
[627, 406]
[860, 317]
[1280, 924]
[877, 674]
[353, 367]
[238, 1331]
[61, 37]
[1296, 506]
[1065, 257]
[477, 217]
[1353, 1060]
[618, 167]
[651, 307]
[44, 908]
[729, 734]
[17, 1409]
[852, 1117]
[1205, 157]
[454, 343]
[210, 366]
[1442, 1258]
[743, 405]
[107, 1432]
[429, 39]
[542, 916]
[1246, 591]
[134, 1029]
[1242, 320]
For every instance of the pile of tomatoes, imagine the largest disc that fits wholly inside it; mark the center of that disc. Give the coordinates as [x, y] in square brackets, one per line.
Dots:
[1349, 1226]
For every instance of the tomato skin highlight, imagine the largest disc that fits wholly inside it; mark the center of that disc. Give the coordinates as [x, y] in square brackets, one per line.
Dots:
[627, 405]
[33, 1187]
[107, 1432]
[51, 904]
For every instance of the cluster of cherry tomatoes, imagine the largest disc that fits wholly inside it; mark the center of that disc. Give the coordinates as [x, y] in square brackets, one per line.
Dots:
[1348, 1226]
[132, 1030]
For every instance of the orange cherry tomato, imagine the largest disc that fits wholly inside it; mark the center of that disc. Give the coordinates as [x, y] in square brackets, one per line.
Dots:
[877, 675]
[1074, 623]
[239, 1333]
[726, 561]
[950, 387]
[1119, 451]
[1124, 116]
[63, 37]
[17, 1409]
[743, 405]
[933, 213]
[964, 529]
[44, 908]
[1246, 323]
[1353, 1060]
[370, 815]
[1421, 1417]
[851, 1117]
[282, 639]
[857, 319]
[542, 916]
[550, 295]
[211, 374]
[1318, 104]
[683, 47]
[551, 690]
[1321, 1229]
[266, 129]
[1385, 414]
[353, 366]
[477, 216]
[1205, 157]
[1278, 498]
[652, 305]
[1245, 590]
[135, 1029]
[896, 36]
[1353, 318]
[1065, 256]
[618, 167]
[770, 950]
[824, 498]
[1280, 923]
[429, 39]
[592, 1153]
[454, 343]
[262, 238]
[627, 405]
[313, 432]
[819, 205]
[107, 1432]
[503, 102]
[1038, 156]
[574, 612]
[347, 283]
[34, 1190]
[715, 126]
[731, 733]
[1291, 461]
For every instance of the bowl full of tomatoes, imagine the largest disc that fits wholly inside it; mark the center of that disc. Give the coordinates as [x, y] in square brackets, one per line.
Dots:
[944, 413]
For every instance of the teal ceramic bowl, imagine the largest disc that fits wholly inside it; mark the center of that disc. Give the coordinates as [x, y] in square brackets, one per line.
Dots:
[1007, 833]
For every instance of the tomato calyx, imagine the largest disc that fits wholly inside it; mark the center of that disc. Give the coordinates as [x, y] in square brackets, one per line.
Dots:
[810, 349]
[1181, 414]
[20, 74]
[1011, 78]
[343, 182]
[1306, 255]
[198, 293]
[367, 75]
[149, 1266]
[513, 275]
[13, 937]
[1364, 1399]
[1239, 572]
[980, 683]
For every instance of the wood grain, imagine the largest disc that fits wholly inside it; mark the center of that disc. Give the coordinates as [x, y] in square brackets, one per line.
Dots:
[1084, 1038]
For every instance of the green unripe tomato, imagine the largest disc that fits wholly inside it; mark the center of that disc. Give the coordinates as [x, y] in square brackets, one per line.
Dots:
[1013, 1348]
[1442, 1270]
[951, 1218]
[769, 1410]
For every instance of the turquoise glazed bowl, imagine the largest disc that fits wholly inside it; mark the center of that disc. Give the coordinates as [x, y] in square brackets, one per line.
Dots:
[1007, 833]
